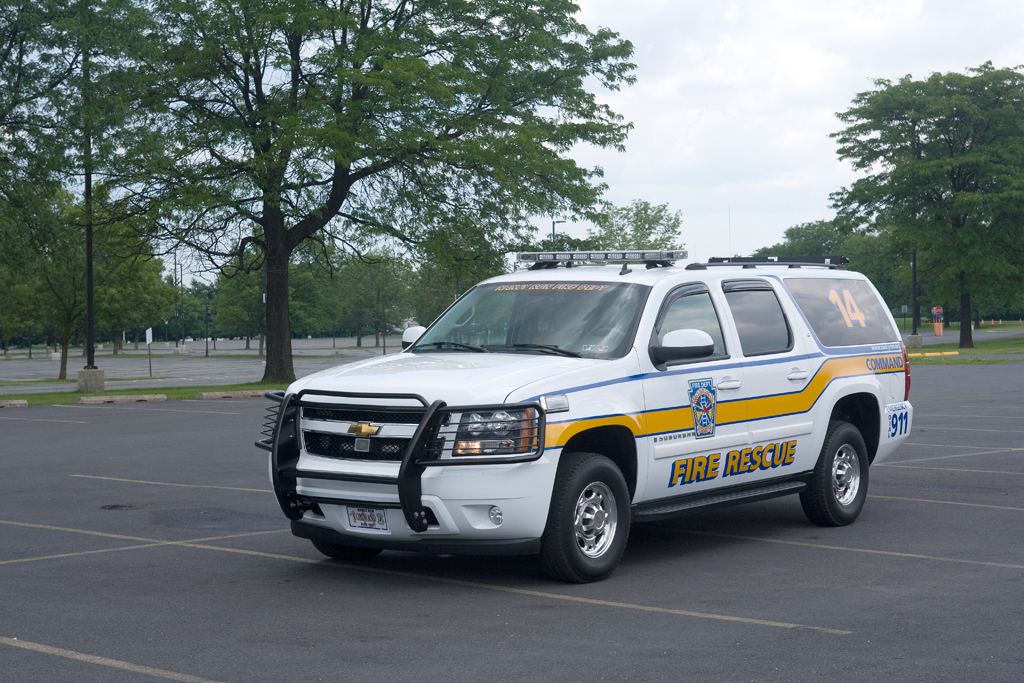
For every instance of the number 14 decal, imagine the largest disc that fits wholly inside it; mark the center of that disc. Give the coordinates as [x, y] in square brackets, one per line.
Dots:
[847, 306]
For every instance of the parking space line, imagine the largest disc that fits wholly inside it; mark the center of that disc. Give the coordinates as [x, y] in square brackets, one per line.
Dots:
[103, 661]
[522, 591]
[868, 551]
[80, 531]
[946, 502]
[942, 469]
[942, 445]
[165, 483]
[39, 558]
[79, 554]
[981, 417]
[147, 542]
[969, 429]
[200, 543]
[962, 455]
[39, 419]
[121, 406]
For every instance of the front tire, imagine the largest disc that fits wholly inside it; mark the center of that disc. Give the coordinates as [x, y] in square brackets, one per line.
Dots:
[588, 521]
[338, 551]
[839, 485]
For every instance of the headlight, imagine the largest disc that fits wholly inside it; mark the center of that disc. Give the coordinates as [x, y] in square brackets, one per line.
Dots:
[498, 432]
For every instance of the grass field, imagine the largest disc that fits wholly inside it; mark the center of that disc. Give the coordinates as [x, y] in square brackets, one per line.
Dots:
[172, 393]
[961, 360]
[981, 345]
[1010, 325]
[34, 382]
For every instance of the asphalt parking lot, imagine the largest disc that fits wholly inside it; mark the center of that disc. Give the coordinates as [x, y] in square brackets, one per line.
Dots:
[141, 542]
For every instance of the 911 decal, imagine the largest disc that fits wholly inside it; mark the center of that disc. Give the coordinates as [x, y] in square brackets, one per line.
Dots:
[898, 417]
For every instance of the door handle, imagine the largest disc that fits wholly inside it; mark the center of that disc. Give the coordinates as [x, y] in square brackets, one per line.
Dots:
[729, 384]
[797, 375]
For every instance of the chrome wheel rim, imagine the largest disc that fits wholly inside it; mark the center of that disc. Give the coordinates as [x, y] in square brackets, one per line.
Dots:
[596, 520]
[846, 474]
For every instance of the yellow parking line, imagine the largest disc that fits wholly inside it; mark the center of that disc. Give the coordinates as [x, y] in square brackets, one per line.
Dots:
[962, 455]
[942, 469]
[103, 661]
[868, 551]
[946, 502]
[166, 483]
[199, 543]
[523, 591]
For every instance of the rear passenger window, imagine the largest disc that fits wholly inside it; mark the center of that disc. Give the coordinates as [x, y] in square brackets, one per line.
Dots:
[842, 312]
[690, 308]
[759, 319]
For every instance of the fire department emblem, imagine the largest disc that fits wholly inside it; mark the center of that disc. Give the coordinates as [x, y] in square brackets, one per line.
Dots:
[703, 397]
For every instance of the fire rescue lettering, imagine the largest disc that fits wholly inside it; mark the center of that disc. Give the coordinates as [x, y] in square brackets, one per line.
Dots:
[742, 461]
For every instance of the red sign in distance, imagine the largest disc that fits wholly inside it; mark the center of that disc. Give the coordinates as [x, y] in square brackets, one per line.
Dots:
[936, 310]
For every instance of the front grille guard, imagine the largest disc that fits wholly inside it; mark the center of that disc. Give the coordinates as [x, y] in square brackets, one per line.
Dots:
[426, 449]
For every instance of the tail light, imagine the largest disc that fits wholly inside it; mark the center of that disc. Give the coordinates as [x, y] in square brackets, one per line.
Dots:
[906, 371]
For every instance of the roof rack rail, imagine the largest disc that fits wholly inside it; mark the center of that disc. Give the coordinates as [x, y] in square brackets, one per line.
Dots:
[830, 262]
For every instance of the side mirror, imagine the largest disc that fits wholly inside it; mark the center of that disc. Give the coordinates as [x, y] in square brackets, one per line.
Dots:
[683, 345]
[411, 334]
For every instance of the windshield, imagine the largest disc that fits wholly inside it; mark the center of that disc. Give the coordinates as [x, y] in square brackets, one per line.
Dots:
[591, 320]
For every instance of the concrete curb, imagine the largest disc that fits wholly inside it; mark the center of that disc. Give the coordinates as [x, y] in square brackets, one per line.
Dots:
[250, 393]
[14, 403]
[148, 398]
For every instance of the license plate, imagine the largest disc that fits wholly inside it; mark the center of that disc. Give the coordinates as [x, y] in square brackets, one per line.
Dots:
[368, 518]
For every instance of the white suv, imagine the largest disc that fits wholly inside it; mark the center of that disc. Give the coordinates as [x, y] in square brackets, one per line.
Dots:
[549, 409]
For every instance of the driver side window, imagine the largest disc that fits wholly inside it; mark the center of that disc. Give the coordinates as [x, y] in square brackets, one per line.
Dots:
[692, 309]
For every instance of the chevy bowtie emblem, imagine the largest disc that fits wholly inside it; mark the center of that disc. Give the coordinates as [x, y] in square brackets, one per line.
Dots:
[363, 429]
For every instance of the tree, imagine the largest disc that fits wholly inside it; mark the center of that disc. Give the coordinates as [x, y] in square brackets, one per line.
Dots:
[638, 225]
[817, 238]
[400, 117]
[374, 291]
[133, 297]
[239, 305]
[875, 251]
[944, 167]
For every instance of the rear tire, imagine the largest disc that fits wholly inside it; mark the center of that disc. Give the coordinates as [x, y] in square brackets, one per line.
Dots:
[338, 551]
[839, 485]
[588, 521]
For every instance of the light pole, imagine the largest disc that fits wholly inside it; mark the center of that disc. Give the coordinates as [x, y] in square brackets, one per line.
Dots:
[553, 223]
[207, 333]
[913, 291]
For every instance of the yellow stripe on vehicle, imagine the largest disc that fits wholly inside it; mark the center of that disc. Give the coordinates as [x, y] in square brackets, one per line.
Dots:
[731, 412]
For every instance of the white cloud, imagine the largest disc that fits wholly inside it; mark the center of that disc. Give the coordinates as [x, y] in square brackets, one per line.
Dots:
[735, 101]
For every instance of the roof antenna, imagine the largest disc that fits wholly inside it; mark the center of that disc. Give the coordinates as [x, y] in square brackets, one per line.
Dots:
[728, 208]
[625, 269]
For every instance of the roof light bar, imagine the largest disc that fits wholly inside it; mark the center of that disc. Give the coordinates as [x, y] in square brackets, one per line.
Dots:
[606, 256]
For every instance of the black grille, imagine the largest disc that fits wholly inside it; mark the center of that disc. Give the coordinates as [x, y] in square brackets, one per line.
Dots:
[340, 446]
[368, 414]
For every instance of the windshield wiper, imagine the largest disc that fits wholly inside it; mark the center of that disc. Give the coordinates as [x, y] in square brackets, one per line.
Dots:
[544, 347]
[439, 344]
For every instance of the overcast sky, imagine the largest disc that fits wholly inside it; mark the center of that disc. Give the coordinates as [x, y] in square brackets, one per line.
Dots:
[734, 101]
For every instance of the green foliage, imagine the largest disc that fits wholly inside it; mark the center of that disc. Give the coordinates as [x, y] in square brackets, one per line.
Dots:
[638, 225]
[944, 171]
[239, 304]
[403, 119]
[374, 291]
